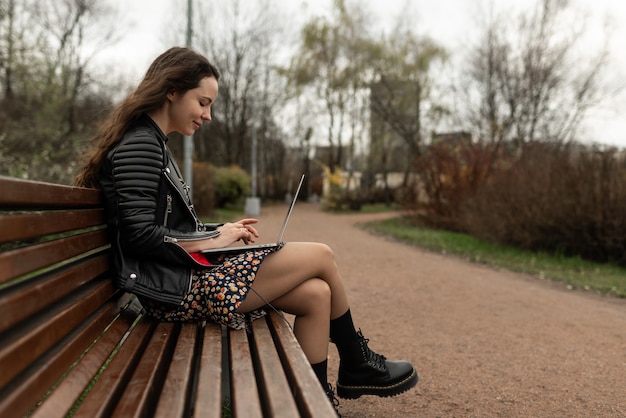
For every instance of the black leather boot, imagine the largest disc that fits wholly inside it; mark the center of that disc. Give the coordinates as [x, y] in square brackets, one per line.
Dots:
[364, 372]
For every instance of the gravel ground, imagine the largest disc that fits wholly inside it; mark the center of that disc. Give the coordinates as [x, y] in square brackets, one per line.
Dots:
[485, 342]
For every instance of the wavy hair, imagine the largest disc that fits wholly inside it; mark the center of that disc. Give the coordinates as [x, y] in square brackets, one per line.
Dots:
[178, 69]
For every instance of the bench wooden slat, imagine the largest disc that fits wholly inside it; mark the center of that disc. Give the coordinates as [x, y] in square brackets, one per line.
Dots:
[15, 263]
[21, 347]
[24, 301]
[177, 388]
[272, 380]
[306, 388]
[67, 392]
[105, 393]
[245, 401]
[18, 193]
[209, 388]
[139, 398]
[34, 382]
[24, 226]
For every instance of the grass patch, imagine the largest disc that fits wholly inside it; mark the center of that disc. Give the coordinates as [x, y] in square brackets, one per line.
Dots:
[581, 274]
[377, 208]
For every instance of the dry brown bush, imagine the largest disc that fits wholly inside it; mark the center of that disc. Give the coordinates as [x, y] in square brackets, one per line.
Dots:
[565, 199]
[448, 175]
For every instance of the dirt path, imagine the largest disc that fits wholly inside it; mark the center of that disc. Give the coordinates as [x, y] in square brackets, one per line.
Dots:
[486, 343]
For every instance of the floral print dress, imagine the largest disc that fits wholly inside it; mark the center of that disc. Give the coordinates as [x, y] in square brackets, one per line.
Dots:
[216, 293]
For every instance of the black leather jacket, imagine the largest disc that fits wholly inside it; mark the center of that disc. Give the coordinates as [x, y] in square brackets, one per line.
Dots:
[148, 213]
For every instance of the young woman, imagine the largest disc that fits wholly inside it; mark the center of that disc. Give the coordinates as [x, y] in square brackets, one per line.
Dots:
[157, 237]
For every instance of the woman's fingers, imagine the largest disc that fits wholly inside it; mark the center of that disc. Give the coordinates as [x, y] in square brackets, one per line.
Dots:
[252, 230]
[241, 230]
[247, 225]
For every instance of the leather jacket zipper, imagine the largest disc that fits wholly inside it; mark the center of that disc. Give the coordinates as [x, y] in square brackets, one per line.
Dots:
[190, 211]
[168, 210]
[174, 240]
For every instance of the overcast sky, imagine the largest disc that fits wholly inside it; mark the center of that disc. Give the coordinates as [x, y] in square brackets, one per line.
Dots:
[449, 22]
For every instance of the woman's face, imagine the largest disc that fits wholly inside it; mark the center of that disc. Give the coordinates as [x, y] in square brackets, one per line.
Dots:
[189, 110]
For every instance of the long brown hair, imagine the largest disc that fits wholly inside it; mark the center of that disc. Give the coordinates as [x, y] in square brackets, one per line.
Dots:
[177, 69]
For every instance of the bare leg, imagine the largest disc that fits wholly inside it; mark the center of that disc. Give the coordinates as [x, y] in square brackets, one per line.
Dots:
[310, 303]
[302, 279]
[291, 266]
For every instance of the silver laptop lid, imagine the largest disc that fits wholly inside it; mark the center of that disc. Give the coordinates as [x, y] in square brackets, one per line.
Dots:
[293, 203]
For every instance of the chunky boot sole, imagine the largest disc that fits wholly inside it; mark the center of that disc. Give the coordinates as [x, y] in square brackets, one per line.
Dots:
[355, 391]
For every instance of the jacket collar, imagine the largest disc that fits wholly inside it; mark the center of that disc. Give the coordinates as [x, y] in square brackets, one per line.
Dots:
[150, 122]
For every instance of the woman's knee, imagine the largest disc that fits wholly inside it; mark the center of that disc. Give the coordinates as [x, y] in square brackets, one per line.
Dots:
[312, 295]
[325, 252]
[316, 292]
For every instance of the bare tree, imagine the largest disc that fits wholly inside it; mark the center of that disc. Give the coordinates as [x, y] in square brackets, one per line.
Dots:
[68, 25]
[243, 40]
[401, 96]
[529, 83]
[14, 45]
[332, 65]
[316, 69]
[47, 90]
[7, 21]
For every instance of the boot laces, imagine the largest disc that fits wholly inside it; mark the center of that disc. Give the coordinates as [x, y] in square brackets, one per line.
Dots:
[374, 359]
[330, 393]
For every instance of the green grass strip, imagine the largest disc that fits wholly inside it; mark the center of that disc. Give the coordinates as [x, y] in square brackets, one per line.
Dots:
[577, 273]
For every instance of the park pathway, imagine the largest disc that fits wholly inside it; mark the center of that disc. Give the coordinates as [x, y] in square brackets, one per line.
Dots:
[485, 342]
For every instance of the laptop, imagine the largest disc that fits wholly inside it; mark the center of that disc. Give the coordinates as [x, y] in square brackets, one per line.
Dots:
[279, 242]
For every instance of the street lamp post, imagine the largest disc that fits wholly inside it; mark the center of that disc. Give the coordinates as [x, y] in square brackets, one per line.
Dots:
[188, 139]
[253, 203]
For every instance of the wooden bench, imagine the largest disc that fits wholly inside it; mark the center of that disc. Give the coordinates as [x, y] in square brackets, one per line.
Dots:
[72, 344]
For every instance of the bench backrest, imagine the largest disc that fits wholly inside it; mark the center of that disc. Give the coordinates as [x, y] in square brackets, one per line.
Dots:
[53, 276]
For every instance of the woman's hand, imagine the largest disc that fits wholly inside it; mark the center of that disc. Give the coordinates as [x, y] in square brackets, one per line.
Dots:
[240, 230]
